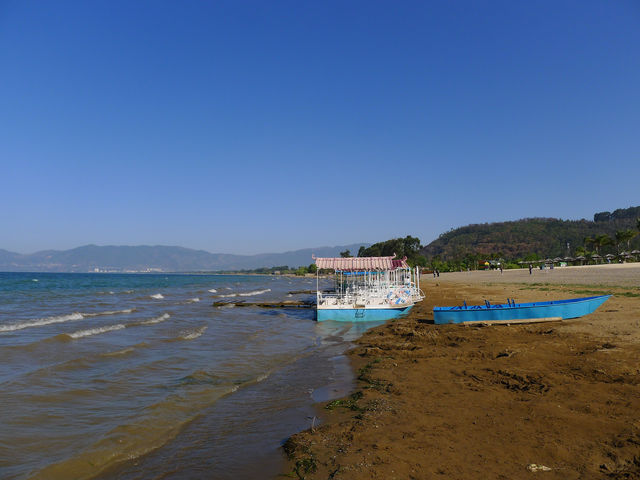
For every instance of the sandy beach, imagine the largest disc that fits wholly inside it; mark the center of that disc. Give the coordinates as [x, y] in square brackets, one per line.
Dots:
[558, 400]
[620, 274]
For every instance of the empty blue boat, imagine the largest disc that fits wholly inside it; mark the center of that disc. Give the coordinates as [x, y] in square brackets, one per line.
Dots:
[556, 310]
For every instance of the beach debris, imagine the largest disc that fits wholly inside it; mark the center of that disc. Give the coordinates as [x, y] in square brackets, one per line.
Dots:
[505, 353]
[313, 423]
[532, 467]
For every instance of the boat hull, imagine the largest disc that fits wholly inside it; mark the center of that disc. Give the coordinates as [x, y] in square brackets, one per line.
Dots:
[361, 314]
[564, 309]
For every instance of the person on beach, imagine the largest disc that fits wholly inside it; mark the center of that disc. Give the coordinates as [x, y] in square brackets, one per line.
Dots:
[530, 268]
[500, 269]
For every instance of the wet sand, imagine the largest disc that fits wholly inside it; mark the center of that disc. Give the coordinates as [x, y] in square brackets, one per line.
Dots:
[497, 402]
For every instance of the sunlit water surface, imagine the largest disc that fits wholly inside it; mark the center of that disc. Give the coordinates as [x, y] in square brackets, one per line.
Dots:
[139, 376]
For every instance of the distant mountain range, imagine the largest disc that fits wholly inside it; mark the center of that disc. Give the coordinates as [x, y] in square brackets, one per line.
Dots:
[92, 258]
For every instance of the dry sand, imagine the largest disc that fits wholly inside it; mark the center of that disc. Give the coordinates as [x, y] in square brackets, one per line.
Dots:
[498, 402]
[622, 274]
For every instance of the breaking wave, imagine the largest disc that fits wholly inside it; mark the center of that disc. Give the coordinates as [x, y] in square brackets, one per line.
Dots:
[246, 294]
[155, 320]
[70, 317]
[157, 296]
[96, 331]
[256, 292]
[110, 328]
[213, 290]
[39, 322]
[108, 312]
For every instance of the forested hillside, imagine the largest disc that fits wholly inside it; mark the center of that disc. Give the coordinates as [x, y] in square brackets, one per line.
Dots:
[529, 238]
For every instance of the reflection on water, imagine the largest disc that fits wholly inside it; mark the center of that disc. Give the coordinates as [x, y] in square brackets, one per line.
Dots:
[345, 330]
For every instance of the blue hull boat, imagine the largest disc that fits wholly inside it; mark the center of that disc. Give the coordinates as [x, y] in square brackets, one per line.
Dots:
[556, 309]
[361, 314]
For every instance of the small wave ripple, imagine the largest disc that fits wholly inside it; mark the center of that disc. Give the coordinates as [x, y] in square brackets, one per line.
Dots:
[152, 321]
[119, 326]
[158, 424]
[108, 312]
[40, 322]
[157, 296]
[246, 294]
[193, 334]
[95, 331]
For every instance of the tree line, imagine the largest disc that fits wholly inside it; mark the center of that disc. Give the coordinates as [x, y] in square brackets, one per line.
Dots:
[535, 238]
[408, 246]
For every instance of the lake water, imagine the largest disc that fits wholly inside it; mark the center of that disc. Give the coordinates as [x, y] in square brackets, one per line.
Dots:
[139, 376]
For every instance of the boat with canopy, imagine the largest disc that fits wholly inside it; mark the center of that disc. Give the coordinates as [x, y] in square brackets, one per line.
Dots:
[367, 288]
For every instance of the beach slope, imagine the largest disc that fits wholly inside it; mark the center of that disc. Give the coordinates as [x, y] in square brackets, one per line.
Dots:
[557, 399]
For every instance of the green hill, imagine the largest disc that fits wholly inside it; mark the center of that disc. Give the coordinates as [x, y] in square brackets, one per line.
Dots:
[532, 238]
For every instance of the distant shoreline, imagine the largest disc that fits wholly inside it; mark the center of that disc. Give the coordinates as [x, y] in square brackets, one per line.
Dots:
[169, 273]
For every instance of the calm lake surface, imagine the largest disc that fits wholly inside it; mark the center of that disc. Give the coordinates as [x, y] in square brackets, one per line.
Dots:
[138, 376]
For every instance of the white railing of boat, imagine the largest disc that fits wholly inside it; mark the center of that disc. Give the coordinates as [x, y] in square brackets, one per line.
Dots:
[385, 297]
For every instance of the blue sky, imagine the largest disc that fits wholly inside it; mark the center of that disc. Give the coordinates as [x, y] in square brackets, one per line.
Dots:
[247, 127]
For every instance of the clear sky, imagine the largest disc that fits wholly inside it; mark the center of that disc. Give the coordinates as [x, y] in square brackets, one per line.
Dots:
[266, 126]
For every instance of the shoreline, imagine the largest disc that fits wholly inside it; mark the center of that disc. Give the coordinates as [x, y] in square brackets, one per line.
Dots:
[490, 402]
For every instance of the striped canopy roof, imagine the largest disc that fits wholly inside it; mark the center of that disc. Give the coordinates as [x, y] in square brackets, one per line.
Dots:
[361, 263]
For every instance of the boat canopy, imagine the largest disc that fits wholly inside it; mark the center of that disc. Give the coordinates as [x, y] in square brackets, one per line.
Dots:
[354, 264]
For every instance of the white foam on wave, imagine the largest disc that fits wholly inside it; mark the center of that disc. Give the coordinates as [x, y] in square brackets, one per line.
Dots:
[109, 312]
[246, 294]
[157, 296]
[39, 322]
[35, 280]
[97, 331]
[193, 300]
[190, 335]
[255, 292]
[110, 328]
[213, 290]
[152, 321]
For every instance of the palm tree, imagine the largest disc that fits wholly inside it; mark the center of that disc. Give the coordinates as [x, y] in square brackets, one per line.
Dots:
[602, 241]
[581, 252]
[589, 241]
[625, 236]
[621, 236]
[628, 236]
